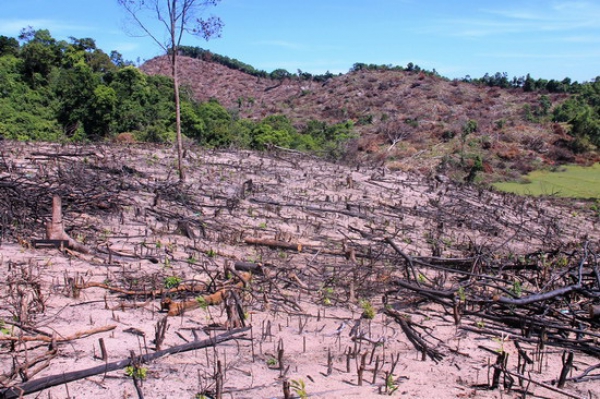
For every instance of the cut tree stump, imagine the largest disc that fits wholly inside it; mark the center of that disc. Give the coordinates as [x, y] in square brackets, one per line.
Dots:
[56, 231]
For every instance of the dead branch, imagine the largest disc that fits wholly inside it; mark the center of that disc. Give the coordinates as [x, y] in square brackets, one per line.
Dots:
[273, 243]
[39, 384]
[194, 287]
[418, 342]
[175, 308]
[44, 338]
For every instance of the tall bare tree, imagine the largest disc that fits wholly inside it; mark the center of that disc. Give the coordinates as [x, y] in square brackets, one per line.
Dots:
[177, 18]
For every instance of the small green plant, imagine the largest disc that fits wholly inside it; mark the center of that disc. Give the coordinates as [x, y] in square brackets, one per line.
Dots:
[271, 362]
[480, 324]
[299, 388]
[562, 261]
[262, 225]
[211, 253]
[3, 328]
[106, 232]
[390, 384]
[461, 294]
[136, 372]
[327, 293]
[517, 290]
[500, 342]
[202, 302]
[368, 309]
[172, 282]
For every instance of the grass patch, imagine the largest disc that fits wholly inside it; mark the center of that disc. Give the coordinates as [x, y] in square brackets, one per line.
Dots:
[570, 182]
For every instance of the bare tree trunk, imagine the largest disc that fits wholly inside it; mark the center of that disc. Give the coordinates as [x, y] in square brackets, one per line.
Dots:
[175, 71]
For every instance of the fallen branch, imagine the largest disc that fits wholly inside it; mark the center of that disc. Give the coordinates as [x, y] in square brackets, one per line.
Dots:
[177, 308]
[418, 342]
[273, 243]
[39, 384]
[194, 287]
[45, 338]
[543, 385]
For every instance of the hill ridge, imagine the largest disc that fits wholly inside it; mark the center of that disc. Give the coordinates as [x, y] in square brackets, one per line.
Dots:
[398, 114]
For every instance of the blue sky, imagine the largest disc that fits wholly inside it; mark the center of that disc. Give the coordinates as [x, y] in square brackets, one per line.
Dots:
[550, 39]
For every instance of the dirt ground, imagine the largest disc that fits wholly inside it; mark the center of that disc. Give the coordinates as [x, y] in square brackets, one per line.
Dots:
[320, 235]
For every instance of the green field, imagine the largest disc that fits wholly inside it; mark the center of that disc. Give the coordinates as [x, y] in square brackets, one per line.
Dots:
[570, 181]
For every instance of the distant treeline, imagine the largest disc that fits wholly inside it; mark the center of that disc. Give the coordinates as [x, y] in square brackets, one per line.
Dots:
[54, 90]
[58, 90]
[278, 74]
[527, 83]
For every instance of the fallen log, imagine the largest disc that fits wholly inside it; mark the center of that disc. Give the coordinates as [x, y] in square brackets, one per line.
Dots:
[39, 384]
[273, 243]
[175, 308]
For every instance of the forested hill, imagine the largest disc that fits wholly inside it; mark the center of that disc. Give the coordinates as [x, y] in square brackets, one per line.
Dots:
[56, 90]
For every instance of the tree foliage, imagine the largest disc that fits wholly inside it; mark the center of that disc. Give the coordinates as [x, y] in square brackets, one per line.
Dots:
[81, 93]
[581, 113]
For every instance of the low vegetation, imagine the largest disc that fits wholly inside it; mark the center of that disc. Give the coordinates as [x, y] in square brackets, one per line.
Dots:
[570, 181]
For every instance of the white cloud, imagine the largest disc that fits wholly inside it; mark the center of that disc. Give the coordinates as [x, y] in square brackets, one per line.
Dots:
[12, 27]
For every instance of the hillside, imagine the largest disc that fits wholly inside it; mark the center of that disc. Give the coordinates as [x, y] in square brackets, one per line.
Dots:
[406, 120]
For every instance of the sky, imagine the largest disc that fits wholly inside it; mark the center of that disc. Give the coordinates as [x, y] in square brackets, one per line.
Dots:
[550, 39]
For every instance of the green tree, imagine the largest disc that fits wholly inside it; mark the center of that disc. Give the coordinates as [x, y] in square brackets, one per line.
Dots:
[40, 53]
[8, 46]
[217, 124]
[101, 111]
[585, 129]
[264, 135]
[75, 88]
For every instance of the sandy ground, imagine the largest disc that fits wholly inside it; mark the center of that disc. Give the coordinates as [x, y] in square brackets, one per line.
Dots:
[292, 308]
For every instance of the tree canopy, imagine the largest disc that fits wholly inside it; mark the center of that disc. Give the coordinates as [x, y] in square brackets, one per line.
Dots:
[55, 90]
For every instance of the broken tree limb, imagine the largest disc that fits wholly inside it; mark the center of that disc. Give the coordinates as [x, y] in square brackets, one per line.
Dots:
[174, 308]
[419, 343]
[55, 229]
[407, 257]
[273, 243]
[59, 379]
[541, 384]
[539, 297]
[195, 286]
[45, 338]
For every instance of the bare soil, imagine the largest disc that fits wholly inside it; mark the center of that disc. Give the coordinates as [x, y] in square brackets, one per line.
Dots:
[319, 233]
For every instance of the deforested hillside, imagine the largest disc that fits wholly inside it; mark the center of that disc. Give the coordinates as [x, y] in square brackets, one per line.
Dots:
[405, 119]
[272, 268]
